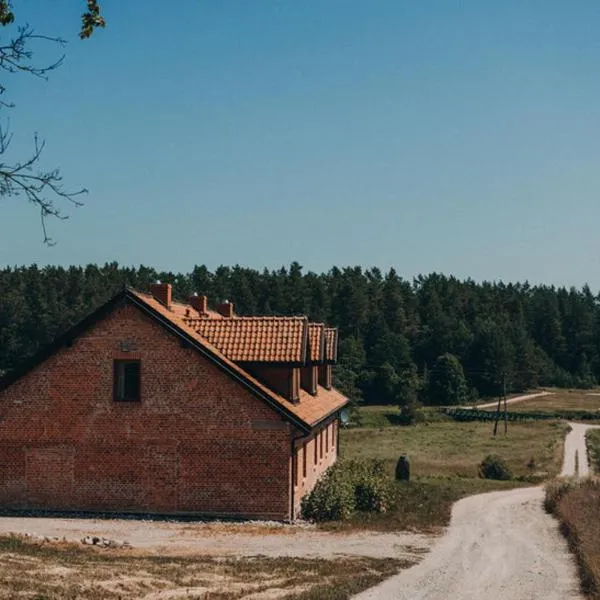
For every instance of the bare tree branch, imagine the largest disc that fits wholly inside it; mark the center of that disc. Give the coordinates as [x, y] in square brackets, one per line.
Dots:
[42, 188]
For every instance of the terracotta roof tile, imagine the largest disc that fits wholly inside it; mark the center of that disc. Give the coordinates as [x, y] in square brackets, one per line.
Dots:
[313, 409]
[331, 336]
[257, 339]
[316, 340]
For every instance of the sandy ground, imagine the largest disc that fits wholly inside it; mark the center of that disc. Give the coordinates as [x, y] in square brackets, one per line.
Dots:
[575, 446]
[513, 400]
[498, 545]
[250, 539]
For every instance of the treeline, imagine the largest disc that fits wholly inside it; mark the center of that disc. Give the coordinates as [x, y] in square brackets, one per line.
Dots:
[429, 338]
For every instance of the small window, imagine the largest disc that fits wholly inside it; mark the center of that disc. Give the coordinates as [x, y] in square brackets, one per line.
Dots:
[327, 439]
[315, 447]
[320, 444]
[127, 380]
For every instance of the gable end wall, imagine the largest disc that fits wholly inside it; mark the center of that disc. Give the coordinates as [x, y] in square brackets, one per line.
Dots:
[197, 443]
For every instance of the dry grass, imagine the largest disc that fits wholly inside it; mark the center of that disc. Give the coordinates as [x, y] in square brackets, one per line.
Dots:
[68, 572]
[560, 400]
[577, 506]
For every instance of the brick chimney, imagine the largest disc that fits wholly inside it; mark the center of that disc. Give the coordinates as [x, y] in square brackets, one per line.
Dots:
[225, 309]
[162, 292]
[199, 303]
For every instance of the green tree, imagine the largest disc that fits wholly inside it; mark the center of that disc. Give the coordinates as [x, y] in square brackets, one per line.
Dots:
[447, 383]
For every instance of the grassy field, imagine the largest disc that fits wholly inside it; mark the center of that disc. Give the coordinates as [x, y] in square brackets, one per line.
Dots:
[561, 400]
[451, 449]
[69, 572]
[444, 457]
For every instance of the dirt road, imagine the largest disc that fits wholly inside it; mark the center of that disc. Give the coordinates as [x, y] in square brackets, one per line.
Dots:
[498, 545]
[575, 451]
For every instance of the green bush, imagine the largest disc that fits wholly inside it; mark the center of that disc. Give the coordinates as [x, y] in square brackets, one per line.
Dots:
[494, 467]
[347, 487]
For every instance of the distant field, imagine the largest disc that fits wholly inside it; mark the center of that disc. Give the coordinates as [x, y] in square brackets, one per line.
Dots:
[561, 400]
[451, 449]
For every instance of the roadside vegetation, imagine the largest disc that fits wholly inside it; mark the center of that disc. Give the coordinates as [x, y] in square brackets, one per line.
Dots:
[593, 446]
[68, 572]
[576, 504]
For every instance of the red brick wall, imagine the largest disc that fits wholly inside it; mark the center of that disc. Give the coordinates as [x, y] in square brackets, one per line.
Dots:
[326, 455]
[198, 442]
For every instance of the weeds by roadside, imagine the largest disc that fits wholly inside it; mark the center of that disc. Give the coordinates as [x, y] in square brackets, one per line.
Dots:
[576, 504]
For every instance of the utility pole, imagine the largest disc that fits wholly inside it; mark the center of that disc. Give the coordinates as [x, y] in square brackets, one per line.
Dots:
[497, 417]
[505, 411]
[501, 400]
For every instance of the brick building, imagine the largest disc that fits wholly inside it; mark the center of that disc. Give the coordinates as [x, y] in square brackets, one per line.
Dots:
[154, 406]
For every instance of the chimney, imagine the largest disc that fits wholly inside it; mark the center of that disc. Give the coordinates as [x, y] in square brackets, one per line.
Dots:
[225, 309]
[199, 303]
[162, 292]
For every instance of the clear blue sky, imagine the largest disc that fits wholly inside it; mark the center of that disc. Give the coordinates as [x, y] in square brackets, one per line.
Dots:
[458, 137]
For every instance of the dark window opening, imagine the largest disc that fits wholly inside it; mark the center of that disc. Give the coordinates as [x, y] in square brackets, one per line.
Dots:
[127, 380]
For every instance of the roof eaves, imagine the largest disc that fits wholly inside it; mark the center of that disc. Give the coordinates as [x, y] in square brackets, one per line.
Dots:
[330, 413]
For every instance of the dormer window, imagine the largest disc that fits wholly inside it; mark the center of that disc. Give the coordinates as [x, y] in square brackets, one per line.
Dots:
[126, 380]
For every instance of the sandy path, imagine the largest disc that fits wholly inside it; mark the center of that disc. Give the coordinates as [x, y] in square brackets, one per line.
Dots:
[513, 400]
[575, 446]
[224, 539]
[499, 545]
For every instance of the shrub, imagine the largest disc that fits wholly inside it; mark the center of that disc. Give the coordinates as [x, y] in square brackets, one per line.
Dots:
[346, 487]
[494, 467]
[409, 414]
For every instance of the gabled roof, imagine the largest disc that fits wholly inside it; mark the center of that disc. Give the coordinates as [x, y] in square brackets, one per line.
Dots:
[305, 415]
[316, 337]
[331, 335]
[256, 339]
